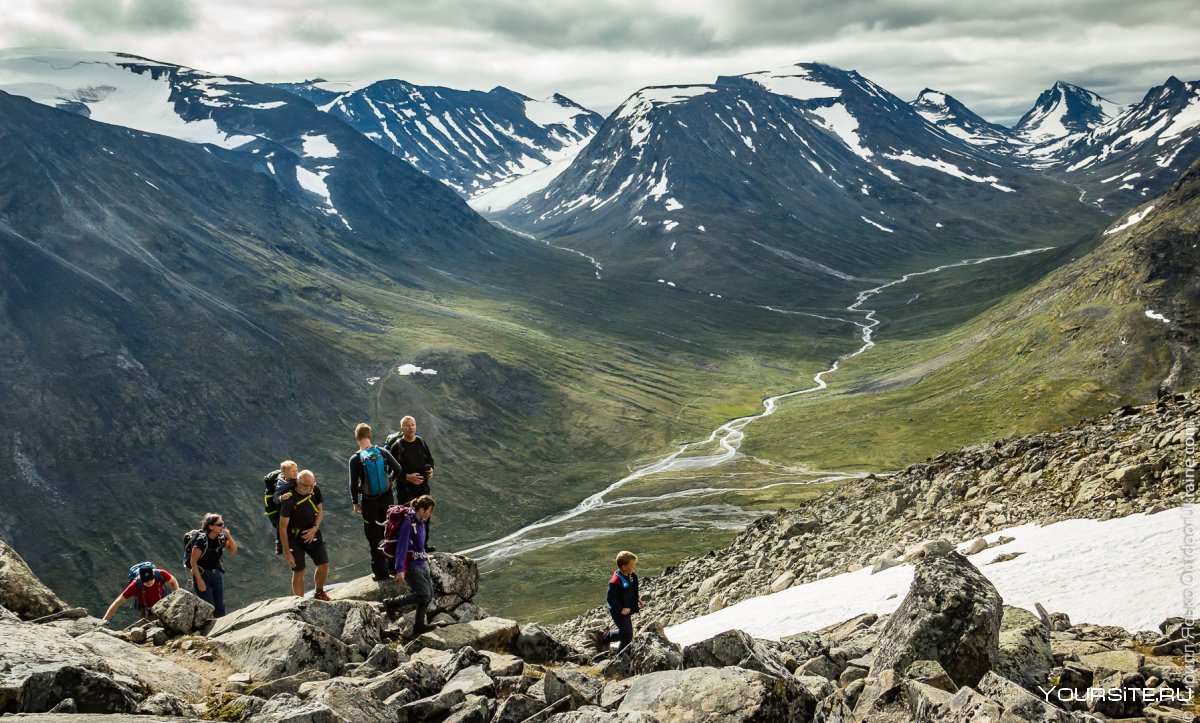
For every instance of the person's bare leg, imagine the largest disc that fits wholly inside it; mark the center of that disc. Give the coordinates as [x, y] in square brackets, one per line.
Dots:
[321, 574]
[298, 583]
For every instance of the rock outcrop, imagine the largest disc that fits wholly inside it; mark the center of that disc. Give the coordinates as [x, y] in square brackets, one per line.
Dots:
[21, 592]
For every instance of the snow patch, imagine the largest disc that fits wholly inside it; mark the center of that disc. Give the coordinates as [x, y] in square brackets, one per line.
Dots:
[881, 228]
[1058, 569]
[793, 82]
[1151, 314]
[841, 123]
[407, 370]
[672, 204]
[1131, 220]
[318, 146]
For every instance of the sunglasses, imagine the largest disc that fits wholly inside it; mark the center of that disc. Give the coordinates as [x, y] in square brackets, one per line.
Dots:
[218, 524]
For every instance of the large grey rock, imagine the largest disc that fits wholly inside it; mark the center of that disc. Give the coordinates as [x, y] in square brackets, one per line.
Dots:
[21, 592]
[282, 646]
[736, 648]
[435, 707]
[182, 612]
[1024, 656]
[517, 708]
[951, 615]
[472, 681]
[289, 684]
[536, 644]
[1018, 703]
[648, 652]
[152, 672]
[363, 629]
[502, 665]
[328, 616]
[579, 687]
[486, 634]
[290, 709]
[716, 695]
[594, 714]
[165, 704]
[93, 692]
[26, 649]
[350, 704]
[455, 580]
[417, 676]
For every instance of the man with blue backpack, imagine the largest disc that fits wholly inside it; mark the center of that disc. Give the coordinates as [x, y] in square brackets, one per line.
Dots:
[371, 493]
[147, 585]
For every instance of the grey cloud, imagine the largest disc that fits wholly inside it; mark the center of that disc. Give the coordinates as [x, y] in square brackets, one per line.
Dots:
[117, 15]
[315, 29]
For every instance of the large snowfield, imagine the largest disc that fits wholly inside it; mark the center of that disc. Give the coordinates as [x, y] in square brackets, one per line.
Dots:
[1130, 571]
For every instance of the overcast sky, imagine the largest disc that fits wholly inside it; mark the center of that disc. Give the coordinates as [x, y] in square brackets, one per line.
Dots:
[995, 56]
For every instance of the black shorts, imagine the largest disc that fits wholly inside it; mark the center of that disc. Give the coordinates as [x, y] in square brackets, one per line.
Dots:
[315, 550]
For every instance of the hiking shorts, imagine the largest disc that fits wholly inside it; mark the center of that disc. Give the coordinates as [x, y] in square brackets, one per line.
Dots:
[315, 550]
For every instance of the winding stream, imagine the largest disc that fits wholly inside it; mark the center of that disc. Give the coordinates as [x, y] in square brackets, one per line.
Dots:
[729, 436]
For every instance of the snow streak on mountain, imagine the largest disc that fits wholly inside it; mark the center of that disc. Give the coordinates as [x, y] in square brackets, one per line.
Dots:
[471, 140]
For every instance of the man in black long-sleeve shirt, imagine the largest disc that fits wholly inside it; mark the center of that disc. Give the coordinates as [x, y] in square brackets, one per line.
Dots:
[416, 464]
[371, 493]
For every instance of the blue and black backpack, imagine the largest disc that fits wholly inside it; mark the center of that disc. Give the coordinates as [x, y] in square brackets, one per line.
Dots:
[375, 471]
[135, 574]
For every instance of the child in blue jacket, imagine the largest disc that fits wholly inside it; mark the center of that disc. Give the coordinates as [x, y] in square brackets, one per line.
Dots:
[623, 602]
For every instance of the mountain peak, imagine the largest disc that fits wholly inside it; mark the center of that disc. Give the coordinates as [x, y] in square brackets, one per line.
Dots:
[1062, 110]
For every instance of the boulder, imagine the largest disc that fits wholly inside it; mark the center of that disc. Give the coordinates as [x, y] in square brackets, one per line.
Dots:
[475, 709]
[435, 707]
[282, 646]
[648, 652]
[735, 648]
[1110, 661]
[472, 681]
[1126, 703]
[285, 709]
[383, 658]
[363, 629]
[580, 688]
[929, 672]
[716, 695]
[152, 672]
[486, 634]
[1024, 655]
[537, 645]
[182, 612]
[929, 548]
[462, 659]
[501, 665]
[165, 704]
[518, 708]
[349, 704]
[328, 616]
[1018, 703]
[290, 684]
[417, 676]
[594, 714]
[951, 615]
[26, 649]
[21, 592]
[783, 582]
[93, 692]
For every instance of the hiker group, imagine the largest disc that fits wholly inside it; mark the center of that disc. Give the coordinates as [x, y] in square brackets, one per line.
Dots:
[389, 490]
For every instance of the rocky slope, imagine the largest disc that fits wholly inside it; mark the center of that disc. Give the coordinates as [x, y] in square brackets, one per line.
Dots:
[1131, 460]
[951, 653]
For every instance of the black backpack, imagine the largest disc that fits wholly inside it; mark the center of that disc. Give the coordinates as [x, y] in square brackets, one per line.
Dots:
[189, 539]
[270, 503]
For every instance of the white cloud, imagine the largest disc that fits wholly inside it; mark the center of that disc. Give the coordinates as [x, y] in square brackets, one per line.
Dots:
[995, 58]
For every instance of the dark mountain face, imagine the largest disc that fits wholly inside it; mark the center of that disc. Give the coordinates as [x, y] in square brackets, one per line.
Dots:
[810, 173]
[469, 140]
[312, 157]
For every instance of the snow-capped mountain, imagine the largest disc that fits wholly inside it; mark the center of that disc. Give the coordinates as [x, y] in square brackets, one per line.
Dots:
[311, 155]
[470, 140]
[1064, 110]
[947, 113]
[1140, 152]
[808, 168]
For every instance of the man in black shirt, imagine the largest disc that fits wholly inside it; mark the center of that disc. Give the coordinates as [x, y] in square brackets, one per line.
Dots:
[371, 494]
[300, 525]
[416, 463]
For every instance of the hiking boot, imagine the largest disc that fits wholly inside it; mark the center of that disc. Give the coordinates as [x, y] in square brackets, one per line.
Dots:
[419, 630]
[321, 595]
[391, 608]
[600, 640]
[430, 548]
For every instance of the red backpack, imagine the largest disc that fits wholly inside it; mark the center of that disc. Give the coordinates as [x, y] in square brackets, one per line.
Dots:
[396, 515]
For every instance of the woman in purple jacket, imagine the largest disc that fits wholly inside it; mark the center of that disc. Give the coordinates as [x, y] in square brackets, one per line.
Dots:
[411, 565]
